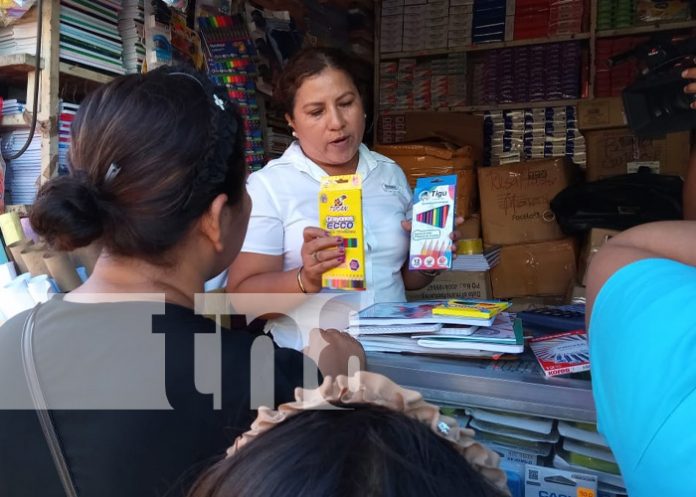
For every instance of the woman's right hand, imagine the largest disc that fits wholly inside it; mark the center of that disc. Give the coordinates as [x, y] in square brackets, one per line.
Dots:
[332, 351]
[320, 252]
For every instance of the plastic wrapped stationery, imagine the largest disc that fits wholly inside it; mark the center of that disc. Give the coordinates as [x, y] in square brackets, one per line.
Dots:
[340, 213]
[433, 221]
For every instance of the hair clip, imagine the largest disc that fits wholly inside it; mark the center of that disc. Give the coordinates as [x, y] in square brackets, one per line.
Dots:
[219, 102]
[112, 172]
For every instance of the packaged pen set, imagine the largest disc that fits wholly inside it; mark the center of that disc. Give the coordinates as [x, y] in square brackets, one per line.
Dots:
[433, 222]
[340, 213]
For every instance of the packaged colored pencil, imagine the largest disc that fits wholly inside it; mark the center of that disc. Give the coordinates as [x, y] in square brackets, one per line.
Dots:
[340, 213]
[433, 221]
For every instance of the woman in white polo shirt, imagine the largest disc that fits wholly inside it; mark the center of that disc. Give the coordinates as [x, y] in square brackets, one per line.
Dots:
[284, 250]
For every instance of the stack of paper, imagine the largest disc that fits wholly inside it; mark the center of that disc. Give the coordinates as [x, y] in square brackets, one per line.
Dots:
[412, 327]
[583, 449]
[12, 106]
[65, 119]
[89, 34]
[131, 26]
[20, 37]
[22, 174]
[477, 262]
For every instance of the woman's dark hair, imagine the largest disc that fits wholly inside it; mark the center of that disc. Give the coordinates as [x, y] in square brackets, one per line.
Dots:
[367, 451]
[148, 155]
[306, 63]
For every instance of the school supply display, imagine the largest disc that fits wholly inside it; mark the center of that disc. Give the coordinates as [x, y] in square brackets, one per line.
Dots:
[66, 117]
[480, 309]
[340, 213]
[392, 313]
[562, 353]
[474, 342]
[89, 34]
[433, 222]
[228, 52]
[22, 173]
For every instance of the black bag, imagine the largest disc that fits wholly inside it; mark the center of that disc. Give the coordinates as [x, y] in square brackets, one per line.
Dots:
[619, 202]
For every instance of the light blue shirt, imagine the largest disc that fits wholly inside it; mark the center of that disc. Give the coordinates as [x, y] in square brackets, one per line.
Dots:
[643, 356]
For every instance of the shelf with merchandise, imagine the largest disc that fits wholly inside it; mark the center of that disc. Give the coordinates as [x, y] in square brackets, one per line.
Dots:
[537, 104]
[79, 72]
[484, 46]
[13, 121]
[650, 28]
[512, 386]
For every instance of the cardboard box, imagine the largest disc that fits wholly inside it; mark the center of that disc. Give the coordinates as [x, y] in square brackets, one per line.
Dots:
[471, 227]
[612, 152]
[419, 160]
[460, 128]
[515, 200]
[595, 239]
[601, 113]
[455, 284]
[546, 268]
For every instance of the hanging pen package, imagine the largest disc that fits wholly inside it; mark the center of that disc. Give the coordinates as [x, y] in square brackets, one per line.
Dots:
[433, 221]
[340, 213]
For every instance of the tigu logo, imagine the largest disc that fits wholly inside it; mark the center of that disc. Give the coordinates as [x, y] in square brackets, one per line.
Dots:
[338, 205]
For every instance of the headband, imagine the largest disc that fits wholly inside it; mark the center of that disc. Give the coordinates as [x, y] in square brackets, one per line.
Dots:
[375, 389]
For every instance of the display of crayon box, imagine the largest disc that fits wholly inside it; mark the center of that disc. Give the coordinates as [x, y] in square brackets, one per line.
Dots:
[432, 224]
[340, 213]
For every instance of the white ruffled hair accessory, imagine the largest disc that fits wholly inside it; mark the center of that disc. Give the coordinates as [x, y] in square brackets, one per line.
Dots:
[375, 389]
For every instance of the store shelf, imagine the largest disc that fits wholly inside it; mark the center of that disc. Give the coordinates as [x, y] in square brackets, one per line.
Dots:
[13, 121]
[484, 46]
[531, 41]
[83, 73]
[17, 63]
[512, 386]
[651, 28]
[482, 108]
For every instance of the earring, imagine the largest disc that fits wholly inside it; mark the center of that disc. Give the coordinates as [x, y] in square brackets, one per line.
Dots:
[294, 135]
[364, 116]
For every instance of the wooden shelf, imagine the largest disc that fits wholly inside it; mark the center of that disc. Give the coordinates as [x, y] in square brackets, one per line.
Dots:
[13, 121]
[18, 63]
[80, 72]
[482, 108]
[484, 46]
[651, 28]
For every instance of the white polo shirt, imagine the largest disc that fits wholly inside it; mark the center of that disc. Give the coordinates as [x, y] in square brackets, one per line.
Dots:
[285, 196]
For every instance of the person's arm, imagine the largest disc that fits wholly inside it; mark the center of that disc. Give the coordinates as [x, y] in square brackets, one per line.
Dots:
[673, 240]
[689, 193]
[261, 273]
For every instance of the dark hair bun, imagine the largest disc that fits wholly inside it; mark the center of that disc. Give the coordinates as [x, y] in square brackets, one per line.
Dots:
[67, 213]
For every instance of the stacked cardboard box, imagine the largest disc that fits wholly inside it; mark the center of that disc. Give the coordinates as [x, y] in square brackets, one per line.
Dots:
[536, 258]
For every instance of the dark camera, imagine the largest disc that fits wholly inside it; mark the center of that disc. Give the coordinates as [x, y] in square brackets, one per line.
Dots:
[655, 103]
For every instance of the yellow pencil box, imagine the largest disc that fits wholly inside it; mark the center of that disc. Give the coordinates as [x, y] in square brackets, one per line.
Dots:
[340, 213]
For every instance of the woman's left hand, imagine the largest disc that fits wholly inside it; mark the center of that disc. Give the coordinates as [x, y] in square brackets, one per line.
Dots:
[691, 86]
[454, 236]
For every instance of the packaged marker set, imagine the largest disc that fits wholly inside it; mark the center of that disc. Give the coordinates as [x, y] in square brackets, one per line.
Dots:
[432, 224]
[340, 213]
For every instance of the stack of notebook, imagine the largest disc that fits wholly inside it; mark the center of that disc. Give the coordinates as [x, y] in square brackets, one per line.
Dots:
[22, 174]
[89, 34]
[20, 37]
[436, 328]
[66, 116]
